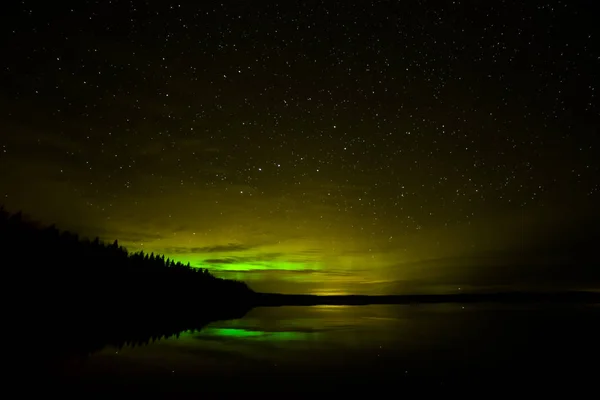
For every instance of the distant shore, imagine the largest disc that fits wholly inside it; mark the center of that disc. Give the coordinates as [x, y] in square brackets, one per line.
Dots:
[275, 300]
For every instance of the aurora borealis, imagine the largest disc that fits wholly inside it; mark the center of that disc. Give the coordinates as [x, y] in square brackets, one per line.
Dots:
[313, 147]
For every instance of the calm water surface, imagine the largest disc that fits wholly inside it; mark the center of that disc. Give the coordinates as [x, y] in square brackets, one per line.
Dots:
[323, 347]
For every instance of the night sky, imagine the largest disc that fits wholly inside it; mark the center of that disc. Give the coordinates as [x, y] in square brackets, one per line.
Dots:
[317, 146]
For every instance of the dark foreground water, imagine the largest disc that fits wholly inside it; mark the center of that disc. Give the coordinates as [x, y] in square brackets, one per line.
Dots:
[378, 348]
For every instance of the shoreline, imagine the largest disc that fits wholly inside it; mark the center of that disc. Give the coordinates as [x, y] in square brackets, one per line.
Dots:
[277, 300]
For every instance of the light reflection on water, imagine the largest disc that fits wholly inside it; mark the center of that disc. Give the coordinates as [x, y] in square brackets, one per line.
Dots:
[403, 338]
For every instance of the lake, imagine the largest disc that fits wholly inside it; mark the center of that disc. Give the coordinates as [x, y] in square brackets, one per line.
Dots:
[379, 347]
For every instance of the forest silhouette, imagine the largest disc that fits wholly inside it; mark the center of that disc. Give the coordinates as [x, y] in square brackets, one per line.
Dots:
[81, 294]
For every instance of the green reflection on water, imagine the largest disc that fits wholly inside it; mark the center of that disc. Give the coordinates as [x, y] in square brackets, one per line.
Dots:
[255, 334]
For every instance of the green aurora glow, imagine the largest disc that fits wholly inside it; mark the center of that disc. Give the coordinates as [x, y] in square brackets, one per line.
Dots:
[298, 152]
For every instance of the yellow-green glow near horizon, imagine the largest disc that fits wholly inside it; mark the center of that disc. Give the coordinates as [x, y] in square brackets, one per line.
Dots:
[331, 157]
[321, 260]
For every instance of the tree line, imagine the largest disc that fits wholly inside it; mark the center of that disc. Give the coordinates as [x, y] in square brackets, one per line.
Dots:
[56, 278]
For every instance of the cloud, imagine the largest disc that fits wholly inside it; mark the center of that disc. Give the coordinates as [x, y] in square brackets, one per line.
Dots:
[312, 251]
[278, 271]
[40, 156]
[224, 248]
[123, 236]
[29, 137]
[561, 258]
[255, 259]
[219, 261]
[230, 247]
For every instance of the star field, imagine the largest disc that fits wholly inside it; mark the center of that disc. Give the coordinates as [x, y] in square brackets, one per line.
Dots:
[321, 147]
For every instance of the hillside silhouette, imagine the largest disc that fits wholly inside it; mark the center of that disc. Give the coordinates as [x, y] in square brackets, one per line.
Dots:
[81, 294]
